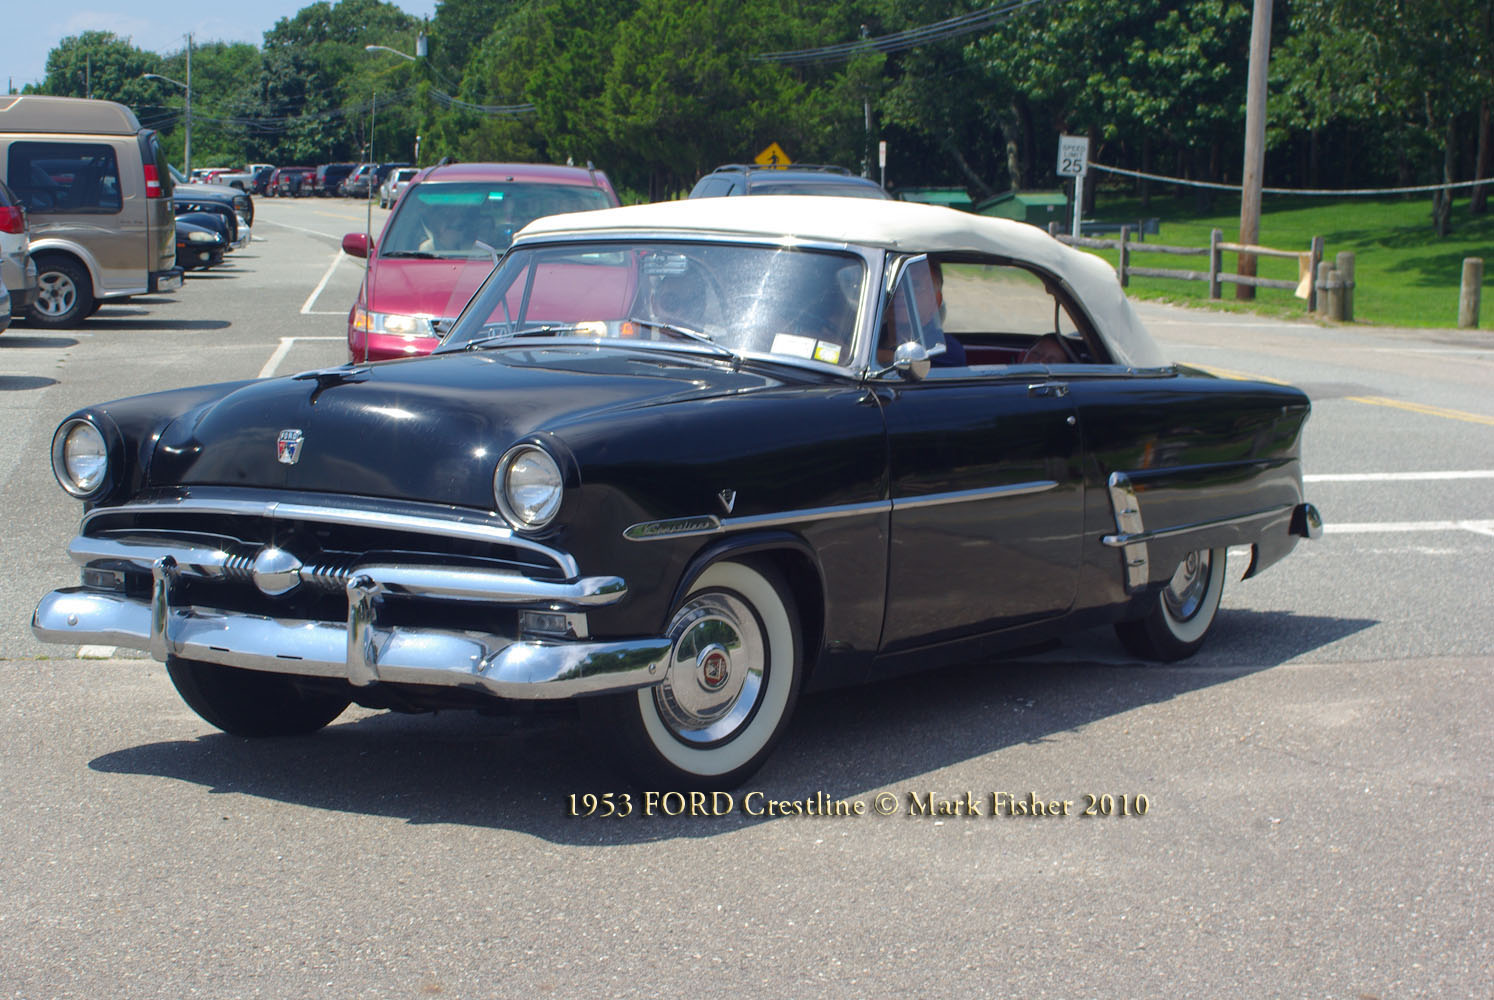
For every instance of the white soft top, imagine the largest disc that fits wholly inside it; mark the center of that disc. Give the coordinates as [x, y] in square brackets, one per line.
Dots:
[902, 226]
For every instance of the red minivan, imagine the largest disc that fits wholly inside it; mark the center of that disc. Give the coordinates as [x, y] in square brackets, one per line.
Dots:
[441, 241]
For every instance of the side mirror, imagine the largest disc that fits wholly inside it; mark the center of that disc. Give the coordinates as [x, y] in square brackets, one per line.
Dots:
[356, 244]
[911, 361]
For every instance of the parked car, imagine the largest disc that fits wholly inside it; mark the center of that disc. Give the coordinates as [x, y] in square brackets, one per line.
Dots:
[292, 182]
[241, 200]
[262, 173]
[329, 178]
[97, 192]
[242, 180]
[800, 178]
[235, 227]
[5, 309]
[441, 240]
[355, 185]
[659, 469]
[17, 269]
[199, 242]
[394, 184]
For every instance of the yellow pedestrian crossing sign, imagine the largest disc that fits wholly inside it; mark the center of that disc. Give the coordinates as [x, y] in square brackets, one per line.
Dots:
[773, 156]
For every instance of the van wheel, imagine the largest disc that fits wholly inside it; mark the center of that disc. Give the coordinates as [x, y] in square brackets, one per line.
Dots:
[64, 294]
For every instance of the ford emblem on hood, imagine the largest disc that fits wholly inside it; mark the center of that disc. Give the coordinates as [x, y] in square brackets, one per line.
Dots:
[288, 446]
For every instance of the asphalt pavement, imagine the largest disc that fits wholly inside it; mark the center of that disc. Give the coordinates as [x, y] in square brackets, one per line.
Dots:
[1303, 809]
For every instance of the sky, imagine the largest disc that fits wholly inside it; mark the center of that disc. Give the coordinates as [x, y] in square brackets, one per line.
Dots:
[155, 25]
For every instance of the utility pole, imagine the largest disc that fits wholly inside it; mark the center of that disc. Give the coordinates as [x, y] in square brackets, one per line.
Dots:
[1255, 142]
[866, 107]
[187, 153]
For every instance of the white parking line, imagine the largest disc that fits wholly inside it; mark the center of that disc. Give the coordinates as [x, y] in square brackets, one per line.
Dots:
[1400, 527]
[282, 351]
[310, 299]
[1399, 477]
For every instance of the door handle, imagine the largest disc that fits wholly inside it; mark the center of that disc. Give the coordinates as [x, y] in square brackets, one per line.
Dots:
[1048, 389]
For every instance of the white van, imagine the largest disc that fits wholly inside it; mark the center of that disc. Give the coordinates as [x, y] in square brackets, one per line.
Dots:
[98, 193]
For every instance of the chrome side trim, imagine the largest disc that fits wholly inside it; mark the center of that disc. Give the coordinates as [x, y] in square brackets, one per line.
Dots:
[1132, 538]
[457, 526]
[1128, 522]
[966, 496]
[709, 524]
[358, 652]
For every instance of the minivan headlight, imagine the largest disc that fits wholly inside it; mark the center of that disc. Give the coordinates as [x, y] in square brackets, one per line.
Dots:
[80, 458]
[528, 487]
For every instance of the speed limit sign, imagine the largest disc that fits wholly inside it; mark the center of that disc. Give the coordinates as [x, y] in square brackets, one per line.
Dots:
[1073, 155]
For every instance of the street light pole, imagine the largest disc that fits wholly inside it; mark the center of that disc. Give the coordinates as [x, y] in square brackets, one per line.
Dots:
[187, 151]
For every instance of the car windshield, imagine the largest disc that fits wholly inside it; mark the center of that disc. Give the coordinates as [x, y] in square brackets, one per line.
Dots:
[791, 303]
[450, 219]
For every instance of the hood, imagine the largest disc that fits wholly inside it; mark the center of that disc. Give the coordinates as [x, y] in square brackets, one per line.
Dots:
[436, 288]
[220, 191]
[429, 429]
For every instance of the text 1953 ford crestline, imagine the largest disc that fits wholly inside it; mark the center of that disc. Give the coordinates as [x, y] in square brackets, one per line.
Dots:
[679, 463]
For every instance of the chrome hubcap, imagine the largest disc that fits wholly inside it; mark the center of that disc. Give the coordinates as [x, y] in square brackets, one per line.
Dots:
[1185, 591]
[716, 668]
[55, 293]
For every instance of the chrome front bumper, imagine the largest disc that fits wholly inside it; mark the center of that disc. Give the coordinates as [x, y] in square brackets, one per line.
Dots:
[360, 650]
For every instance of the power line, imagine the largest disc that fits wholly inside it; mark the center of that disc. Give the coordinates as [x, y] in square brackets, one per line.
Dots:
[900, 41]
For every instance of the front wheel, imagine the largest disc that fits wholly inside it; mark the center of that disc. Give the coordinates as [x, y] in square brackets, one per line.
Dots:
[252, 702]
[1181, 614]
[64, 294]
[730, 686]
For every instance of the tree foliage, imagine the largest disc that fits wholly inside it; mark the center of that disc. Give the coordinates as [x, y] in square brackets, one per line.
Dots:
[659, 91]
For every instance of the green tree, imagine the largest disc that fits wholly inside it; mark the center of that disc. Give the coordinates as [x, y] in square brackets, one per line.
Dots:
[102, 65]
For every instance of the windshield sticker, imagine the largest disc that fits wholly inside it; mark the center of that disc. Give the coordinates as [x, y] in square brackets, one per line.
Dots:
[827, 352]
[793, 346]
[665, 263]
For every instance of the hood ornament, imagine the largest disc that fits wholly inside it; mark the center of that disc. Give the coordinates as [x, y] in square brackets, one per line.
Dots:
[728, 499]
[288, 446]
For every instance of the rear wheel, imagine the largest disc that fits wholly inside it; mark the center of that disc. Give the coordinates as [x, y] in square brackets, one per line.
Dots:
[64, 293]
[1178, 621]
[729, 690]
[252, 702]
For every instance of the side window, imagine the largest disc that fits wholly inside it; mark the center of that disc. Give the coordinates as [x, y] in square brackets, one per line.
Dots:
[1005, 314]
[66, 177]
[915, 311]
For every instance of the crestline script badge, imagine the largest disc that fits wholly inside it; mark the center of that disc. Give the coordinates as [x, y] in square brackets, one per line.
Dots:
[288, 446]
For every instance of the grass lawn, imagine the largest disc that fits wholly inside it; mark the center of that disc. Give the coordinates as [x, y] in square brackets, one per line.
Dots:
[1404, 274]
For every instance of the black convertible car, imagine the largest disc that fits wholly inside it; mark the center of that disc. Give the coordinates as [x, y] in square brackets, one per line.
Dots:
[679, 463]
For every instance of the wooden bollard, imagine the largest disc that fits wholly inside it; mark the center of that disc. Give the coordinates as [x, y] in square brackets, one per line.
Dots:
[1335, 296]
[1325, 270]
[1344, 265]
[1471, 292]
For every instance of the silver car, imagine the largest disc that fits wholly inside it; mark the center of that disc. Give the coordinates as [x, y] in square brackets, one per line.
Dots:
[394, 185]
[17, 269]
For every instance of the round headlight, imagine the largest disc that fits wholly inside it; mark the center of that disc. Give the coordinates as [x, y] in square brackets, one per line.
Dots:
[80, 458]
[528, 487]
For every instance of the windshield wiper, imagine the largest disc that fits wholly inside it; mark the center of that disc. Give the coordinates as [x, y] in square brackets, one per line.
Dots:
[544, 330]
[415, 254]
[685, 333]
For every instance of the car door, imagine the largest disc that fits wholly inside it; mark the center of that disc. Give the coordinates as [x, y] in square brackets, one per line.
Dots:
[985, 480]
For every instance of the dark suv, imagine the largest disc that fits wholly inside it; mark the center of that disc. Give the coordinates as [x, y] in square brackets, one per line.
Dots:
[799, 178]
[329, 178]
